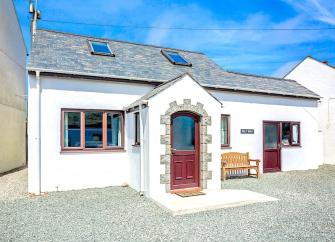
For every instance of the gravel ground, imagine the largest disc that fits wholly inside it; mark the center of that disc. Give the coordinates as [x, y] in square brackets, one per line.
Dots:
[305, 211]
[13, 185]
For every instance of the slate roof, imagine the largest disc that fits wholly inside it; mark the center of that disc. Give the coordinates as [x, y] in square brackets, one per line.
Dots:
[65, 53]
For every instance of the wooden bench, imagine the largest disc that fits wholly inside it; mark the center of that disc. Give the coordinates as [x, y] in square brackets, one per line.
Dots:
[234, 161]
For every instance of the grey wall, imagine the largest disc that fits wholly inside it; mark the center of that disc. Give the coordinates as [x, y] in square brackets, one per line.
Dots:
[12, 90]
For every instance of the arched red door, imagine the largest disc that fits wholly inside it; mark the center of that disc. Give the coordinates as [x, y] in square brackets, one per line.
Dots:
[184, 150]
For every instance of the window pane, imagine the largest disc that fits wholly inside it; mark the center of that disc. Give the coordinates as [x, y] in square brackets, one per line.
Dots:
[93, 129]
[177, 58]
[271, 136]
[295, 134]
[224, 130]
[137, 128]
[183, 133]
[114, 129]
[286, 133]
[71, 129]
[100, 48]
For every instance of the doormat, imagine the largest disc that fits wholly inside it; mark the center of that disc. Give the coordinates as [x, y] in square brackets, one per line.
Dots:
[190, 194]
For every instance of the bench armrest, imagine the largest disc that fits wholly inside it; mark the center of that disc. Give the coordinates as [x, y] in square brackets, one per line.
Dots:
[223, 163]
[254, 160]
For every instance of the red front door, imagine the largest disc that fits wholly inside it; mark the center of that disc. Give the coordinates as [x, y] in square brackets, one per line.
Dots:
[185, 150]
[271, 146]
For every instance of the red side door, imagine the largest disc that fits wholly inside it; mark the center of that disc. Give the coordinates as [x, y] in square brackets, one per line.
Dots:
[185, 151]
[271, 147]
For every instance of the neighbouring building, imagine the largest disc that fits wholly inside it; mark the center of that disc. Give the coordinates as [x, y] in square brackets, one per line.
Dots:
[320, 78]
[104, 113]
[12, 90]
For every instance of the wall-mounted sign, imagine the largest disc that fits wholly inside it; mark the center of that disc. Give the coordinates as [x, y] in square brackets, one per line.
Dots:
[247, 131]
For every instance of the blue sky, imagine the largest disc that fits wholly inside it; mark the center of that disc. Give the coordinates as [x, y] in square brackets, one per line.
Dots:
[258, 52]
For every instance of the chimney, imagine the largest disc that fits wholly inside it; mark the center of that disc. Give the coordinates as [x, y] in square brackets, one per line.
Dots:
[35, 16]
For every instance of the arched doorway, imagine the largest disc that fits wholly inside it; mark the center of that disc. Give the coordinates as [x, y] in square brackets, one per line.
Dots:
[185, 146]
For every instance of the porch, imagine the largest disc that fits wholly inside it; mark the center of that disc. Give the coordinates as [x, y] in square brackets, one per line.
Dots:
[211, 200]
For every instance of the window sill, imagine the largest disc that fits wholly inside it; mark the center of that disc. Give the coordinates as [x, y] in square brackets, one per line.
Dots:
[93, 151]
[225, 147]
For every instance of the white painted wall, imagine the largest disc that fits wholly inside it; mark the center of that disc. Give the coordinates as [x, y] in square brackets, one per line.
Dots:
[320, 78]
[12, 90]
[183, 89]
[134, 153]
[248, 112]
[65, 171]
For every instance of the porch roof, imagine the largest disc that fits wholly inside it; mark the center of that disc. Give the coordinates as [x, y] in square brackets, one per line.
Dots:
[163, 87]
[64, 53]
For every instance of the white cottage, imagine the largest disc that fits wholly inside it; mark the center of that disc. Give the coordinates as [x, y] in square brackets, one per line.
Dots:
[320, 77]
[107, 113]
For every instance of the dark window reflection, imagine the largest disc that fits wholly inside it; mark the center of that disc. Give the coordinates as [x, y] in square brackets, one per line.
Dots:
[71, 129]
[183, 133]
[114, 129]
[93, 129]
[285, 133]
[271, 136]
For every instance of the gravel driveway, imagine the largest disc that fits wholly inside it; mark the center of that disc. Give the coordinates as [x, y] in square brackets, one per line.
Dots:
[306, 212]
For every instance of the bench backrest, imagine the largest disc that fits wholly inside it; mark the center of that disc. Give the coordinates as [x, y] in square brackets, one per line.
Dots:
[235, 159]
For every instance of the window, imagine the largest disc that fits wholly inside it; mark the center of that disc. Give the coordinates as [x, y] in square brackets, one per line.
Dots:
[114, 124]
[286, 130]
[71, 126]
[92, 130]
[290, 133]
[100, 48]
[137, 128]
[183, 132]
[175, 58]
[295, 130]
[225, 132]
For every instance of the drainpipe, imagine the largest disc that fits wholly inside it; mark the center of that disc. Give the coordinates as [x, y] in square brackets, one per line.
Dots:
[140, 108]
[38, 87]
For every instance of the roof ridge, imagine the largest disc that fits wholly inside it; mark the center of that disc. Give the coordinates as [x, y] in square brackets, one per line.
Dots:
[115, 40]
[302, 60]
[260, 76]
[317, 60]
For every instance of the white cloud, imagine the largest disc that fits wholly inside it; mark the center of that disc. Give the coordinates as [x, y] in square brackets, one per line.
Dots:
[237, 50]
[321, 10]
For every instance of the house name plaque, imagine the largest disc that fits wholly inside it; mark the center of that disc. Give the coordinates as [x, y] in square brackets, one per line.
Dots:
[247, 131]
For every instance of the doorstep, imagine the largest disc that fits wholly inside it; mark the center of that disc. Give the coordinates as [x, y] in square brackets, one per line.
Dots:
[192, 189]
[213, 199]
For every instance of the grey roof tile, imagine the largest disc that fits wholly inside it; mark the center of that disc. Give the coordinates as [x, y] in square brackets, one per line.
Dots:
[69, 53]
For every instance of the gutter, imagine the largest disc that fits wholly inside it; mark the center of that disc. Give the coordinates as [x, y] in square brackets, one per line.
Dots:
[95, 76]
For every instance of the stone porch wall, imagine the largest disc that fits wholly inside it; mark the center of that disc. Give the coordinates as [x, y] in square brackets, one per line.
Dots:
[205, 139]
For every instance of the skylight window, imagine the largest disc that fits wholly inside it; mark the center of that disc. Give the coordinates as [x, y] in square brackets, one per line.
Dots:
[100, 48]
[175, 58]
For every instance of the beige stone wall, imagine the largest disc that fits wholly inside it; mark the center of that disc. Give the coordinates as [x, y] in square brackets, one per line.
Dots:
[12, 141]
[12, 90]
